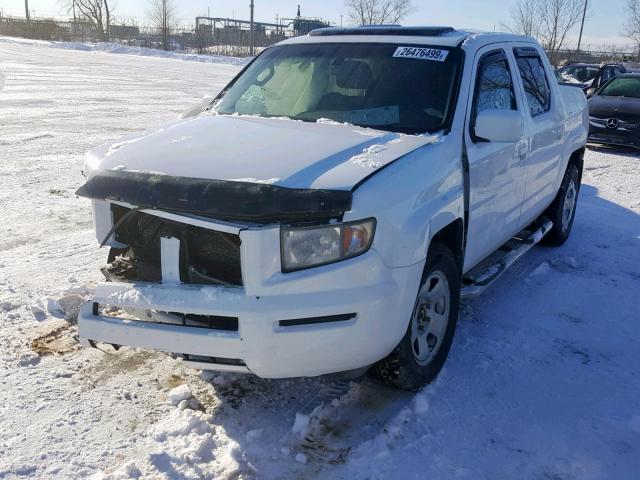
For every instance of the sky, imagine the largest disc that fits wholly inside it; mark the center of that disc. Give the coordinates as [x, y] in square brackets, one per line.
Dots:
[604, 27]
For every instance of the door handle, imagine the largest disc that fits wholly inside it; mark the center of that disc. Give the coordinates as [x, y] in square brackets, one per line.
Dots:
[522, 147]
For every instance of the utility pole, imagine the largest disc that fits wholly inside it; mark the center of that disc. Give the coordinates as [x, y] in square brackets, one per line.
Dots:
[26, 14]
[584, 14]
[75, 25]
[251, 31]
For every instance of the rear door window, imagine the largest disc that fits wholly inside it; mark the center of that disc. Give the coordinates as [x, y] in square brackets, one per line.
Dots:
[534, 80]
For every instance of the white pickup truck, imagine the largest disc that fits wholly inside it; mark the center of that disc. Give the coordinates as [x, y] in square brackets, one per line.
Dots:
[328, 209]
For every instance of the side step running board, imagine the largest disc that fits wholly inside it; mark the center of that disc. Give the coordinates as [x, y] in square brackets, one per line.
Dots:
[481, 277]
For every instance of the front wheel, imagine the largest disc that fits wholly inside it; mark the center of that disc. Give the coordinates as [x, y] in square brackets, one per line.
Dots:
[563, 209]
[421, 353]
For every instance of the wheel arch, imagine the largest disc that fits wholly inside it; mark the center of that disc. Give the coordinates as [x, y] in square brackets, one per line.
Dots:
[452, 237]
[577, 159]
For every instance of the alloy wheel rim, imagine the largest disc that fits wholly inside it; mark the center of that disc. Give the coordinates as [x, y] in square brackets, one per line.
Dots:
[430, 318]
[569, 206]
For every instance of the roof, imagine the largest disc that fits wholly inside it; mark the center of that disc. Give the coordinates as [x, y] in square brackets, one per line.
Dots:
[418, 35]
[384, 30]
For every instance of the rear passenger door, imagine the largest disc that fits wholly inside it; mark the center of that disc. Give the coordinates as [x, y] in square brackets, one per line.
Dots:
[496, 174]
[545, 131]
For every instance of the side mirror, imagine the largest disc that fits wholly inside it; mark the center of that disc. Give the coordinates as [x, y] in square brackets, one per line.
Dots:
[590, 92]
[502, 126]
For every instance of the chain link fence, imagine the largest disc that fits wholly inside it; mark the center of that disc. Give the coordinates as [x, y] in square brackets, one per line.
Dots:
[597, 57]
[230, 37]
[211, 35]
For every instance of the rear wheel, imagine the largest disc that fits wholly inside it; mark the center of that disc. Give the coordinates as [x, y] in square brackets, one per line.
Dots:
[563, 209]
[421, 353]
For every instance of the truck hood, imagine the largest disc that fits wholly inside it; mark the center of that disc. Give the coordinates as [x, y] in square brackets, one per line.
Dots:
[280, 152]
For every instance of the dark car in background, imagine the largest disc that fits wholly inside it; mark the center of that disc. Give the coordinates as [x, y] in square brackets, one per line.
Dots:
[588, 76]
[614, 112]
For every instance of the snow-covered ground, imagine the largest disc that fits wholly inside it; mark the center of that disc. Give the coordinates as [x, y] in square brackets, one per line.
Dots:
[542, 383]
[114, 47]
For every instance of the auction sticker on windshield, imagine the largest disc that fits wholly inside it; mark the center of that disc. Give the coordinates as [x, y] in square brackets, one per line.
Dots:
[421, 53]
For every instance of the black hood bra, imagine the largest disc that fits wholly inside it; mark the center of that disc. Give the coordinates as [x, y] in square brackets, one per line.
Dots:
[221, 199]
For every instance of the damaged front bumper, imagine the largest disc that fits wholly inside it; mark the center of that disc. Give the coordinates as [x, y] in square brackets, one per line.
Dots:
[327, 319]
[273, 336]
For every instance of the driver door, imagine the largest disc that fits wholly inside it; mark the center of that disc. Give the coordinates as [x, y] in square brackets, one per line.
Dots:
[496, 170]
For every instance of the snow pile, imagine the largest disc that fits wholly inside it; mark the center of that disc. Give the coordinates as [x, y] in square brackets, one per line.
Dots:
[543, 269]
[268, 181]
[114, 47]
[185, 445]
[301, 425]
[368, 156]
[377, 155]
[28, 359]
[64, 304]
[178, 394]
[367, 457]
[329, 121]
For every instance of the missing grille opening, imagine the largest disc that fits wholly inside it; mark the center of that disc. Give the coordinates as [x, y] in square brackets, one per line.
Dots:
[207, 257]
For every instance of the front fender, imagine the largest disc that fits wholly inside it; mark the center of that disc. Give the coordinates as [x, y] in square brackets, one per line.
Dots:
[412, 199]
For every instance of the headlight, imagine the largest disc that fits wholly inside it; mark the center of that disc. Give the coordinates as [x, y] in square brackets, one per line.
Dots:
[307, 247]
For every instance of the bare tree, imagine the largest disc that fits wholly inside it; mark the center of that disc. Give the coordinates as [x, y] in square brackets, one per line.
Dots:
[377, 12]
[632, 26]
[96, 12]
[550, 21]
[558, 19]
[525, 19]
[163, 15]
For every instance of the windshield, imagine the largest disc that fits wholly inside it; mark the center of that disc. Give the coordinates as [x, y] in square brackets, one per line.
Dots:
[579, 73]
[622, 87]
[384, 86]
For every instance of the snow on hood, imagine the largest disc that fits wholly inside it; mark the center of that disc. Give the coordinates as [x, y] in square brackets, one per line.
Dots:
[280, 152]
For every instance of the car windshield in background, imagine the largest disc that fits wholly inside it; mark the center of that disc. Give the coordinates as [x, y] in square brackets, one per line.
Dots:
[384, 86]
[622, 87]
[578, 73]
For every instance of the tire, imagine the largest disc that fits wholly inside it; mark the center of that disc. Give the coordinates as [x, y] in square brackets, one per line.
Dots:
[562, 211]
[410, 367]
